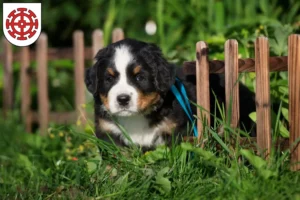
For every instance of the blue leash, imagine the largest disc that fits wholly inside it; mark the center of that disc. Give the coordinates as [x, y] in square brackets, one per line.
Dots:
[184, 102]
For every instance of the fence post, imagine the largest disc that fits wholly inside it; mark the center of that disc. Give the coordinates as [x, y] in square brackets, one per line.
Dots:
[262, 97]
[97, 42]
[202, 80]
[294, 98]
[8, 77]
[78, 41]
[42, 80]
[232, 82]
[25, 89]
[117, 35]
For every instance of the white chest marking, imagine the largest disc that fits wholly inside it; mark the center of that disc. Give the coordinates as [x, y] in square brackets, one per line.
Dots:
[137, 128]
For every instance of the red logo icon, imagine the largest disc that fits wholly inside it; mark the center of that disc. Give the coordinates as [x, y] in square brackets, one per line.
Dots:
[22, 25]
[22, 22]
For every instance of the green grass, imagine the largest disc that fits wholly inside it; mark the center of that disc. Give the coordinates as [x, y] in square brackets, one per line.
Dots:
[66, 164]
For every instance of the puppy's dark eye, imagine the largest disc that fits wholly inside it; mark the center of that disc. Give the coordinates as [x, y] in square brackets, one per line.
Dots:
[109, 78]
[140, 77]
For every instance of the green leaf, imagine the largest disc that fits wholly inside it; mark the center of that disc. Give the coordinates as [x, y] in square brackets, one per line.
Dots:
[35, 141]
[158, 154]
[275, 120]
[123, 180]
[256, 161]
[253, 116]
[259, 163]
[283, 89]
[285, 113]
[264, 5]
[187, 146]
[163, 183]
[217, 137]
[24, 161]
[283, 131]
[206, 155]
[92, 165]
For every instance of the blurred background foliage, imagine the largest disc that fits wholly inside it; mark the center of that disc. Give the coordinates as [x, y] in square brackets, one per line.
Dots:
[180, 24]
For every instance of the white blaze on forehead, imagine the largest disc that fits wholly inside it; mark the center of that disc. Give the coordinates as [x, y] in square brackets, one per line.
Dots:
[122, 59]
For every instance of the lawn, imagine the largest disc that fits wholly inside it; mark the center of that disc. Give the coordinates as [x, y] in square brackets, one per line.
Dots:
[66, 164]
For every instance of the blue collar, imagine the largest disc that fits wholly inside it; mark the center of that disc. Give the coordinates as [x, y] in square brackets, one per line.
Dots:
[184, 102]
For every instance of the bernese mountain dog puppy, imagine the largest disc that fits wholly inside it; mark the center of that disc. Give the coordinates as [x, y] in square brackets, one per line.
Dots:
[130, 83]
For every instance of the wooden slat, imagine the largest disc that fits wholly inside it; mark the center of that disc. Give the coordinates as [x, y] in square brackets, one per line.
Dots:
[8, 77]
[245, 65]
[203, 96]
[78, 41]
[262, 97]
[231, 82]
[117, 35]
[25, 89]
[97, 42]
[42, 80]
[294, 98]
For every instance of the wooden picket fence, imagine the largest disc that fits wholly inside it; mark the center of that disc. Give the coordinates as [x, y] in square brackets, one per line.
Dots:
[202, 67]
[262, 65]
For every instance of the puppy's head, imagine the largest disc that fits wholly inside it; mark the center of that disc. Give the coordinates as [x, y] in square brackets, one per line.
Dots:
[130, 77]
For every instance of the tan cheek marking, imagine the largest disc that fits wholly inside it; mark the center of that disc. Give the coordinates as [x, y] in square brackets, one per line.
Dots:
[167, 126]
[145, 101]
[104, 100]
[111, 71]
[136, 70]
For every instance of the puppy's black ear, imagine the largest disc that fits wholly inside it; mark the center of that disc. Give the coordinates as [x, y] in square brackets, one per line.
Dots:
[92, 73]
[90, 79]
[163, 72]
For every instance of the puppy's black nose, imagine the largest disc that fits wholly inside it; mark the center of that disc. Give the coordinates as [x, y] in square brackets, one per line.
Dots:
[123, 99]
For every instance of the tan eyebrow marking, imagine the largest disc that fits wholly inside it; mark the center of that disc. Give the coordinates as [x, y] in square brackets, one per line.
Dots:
[111, 71]
[136, 70]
